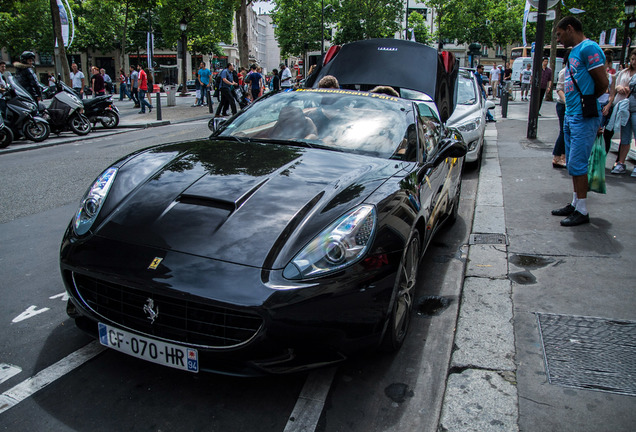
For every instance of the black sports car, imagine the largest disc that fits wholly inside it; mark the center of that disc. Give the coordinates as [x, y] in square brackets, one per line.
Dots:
[289, 239]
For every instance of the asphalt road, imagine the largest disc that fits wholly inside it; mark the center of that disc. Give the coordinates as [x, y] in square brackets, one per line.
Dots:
[39, 192]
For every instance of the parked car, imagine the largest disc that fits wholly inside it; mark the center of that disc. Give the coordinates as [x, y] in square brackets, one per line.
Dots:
[469, 116]
[190, 85]
[289, 239]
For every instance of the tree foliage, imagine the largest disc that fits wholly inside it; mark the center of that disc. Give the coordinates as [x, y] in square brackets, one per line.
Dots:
[26, 25]
[366, 19]
[420, 29]
[297, 25]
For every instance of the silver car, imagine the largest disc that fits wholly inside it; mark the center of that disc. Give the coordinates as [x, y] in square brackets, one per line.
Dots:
[469, 117]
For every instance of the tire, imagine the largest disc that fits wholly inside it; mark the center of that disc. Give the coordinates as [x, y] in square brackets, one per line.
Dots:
[113, 120]
[6, 137]
[37, 131]
[402, 307]
[79, 124]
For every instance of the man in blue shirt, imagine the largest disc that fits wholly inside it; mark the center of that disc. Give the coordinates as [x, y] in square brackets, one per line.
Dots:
[586, 66]
[482, 88]
[204, 81]
[255, 82]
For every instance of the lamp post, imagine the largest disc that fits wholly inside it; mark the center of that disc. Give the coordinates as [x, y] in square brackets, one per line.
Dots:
[183, 25]
[322, 27]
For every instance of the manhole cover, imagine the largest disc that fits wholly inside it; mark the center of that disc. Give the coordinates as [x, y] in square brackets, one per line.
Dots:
[589, 353]
[488, 239]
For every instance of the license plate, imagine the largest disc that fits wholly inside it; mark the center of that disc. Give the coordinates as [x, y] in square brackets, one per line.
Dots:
[145, 348]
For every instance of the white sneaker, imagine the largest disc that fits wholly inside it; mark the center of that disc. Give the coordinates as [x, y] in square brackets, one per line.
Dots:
[619, 169]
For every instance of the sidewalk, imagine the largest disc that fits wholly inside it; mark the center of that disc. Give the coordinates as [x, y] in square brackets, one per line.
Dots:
[129, 118]
[546, 336]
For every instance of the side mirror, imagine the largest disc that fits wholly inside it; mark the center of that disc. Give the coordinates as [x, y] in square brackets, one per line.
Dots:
[490, 104]
[451, 148]
[215, 123]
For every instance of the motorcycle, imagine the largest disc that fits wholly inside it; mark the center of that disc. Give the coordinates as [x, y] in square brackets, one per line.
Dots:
[101, 109]
[65, 112]
[6, 136]
[22, 113]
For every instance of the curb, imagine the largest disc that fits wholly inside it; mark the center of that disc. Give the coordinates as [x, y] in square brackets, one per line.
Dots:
[481, 388]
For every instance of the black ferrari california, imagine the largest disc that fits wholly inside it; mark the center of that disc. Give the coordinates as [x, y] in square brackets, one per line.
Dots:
[289, 239]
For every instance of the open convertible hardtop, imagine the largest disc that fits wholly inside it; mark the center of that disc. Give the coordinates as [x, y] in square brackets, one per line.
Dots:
[397, 63]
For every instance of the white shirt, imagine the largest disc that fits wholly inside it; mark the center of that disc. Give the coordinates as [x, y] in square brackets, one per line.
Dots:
[76, 79]
[494, 74]
[526, 76]
[285, 74]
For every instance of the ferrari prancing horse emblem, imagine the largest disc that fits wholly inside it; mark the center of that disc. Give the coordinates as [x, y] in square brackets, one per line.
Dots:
[149, 309]
[155, 263]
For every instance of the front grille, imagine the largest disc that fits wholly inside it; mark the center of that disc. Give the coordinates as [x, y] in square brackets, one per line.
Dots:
[182, 321]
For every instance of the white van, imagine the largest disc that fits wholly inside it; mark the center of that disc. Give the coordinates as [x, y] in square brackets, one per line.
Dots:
[520, 64]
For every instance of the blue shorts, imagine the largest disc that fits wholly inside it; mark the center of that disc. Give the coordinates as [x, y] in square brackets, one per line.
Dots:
[579, 133]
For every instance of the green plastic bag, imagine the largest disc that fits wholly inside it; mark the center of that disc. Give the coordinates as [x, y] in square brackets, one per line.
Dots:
[596, 167]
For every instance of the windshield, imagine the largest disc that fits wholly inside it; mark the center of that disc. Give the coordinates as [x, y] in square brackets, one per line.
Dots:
[20, 91]
[342, 120]
[466, 94]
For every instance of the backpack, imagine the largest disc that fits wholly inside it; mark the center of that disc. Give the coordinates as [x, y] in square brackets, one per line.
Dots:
[248, 78]
[217, 81]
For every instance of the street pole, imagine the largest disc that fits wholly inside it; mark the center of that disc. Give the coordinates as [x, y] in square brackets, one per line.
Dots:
[533, 114]
[183, 25]
[322, 26]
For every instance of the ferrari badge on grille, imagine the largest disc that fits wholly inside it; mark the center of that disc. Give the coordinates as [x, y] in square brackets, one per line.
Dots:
[155, 263]
[149, 309]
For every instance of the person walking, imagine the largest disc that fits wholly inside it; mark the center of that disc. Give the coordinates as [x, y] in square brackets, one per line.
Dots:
[480, 82]
[97, 83]
[585, 79]
[275, 81]
[546, 81]
[621, 90]
[77, 80]
[526, 80]
[494, 80]
[203, 76]
[285, 77]
[558, 153]
[108, 82]
[123, 88]
[227, 82]
[254, 80]
[134, 85]
[143, 88]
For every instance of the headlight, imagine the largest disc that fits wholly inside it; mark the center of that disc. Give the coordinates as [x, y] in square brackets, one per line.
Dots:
[92, 202]
[341, 244]
[470, 126]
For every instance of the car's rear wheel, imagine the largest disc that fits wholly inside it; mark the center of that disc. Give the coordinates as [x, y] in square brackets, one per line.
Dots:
[400, 318]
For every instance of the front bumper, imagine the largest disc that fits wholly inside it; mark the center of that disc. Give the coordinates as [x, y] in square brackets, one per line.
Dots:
[242, 320]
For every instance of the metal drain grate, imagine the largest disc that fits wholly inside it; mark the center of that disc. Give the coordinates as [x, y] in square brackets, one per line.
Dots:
[485, 238]
[589, 353]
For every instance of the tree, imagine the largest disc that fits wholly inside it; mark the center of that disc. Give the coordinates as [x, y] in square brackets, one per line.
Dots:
[242, 27]
[417, 23]
[297, 25]
[26, 25]
[366, 19]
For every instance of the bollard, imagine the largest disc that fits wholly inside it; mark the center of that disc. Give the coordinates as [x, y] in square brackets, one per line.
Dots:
[208, 96]
[158, 104]
[504, 102]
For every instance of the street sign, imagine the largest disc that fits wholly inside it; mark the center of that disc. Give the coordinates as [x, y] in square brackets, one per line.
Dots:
[535, 3]
[549, 16]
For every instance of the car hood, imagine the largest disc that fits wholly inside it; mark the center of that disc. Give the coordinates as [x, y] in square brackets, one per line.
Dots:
[240, 202]
[464, 113]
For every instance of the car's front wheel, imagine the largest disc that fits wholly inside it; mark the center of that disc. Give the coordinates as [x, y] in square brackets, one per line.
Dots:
[400, 318]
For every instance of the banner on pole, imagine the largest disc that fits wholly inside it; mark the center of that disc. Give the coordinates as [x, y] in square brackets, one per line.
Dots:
[601, 38]
[612, 39]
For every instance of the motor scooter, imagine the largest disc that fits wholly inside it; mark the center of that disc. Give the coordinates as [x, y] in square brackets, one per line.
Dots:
[66, 112]
[22, 113]
[101, 109]
[6, 135]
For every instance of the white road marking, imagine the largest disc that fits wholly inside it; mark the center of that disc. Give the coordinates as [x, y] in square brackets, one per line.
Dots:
[29, 313]
[306, 413]
[62, 296]
[7, 371]
[28, 387]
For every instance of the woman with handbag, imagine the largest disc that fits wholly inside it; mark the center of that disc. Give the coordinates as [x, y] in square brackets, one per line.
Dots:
[622, 87]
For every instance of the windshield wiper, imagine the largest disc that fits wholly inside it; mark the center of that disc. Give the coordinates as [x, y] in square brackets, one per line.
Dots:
[287, 141]
[230, 137]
